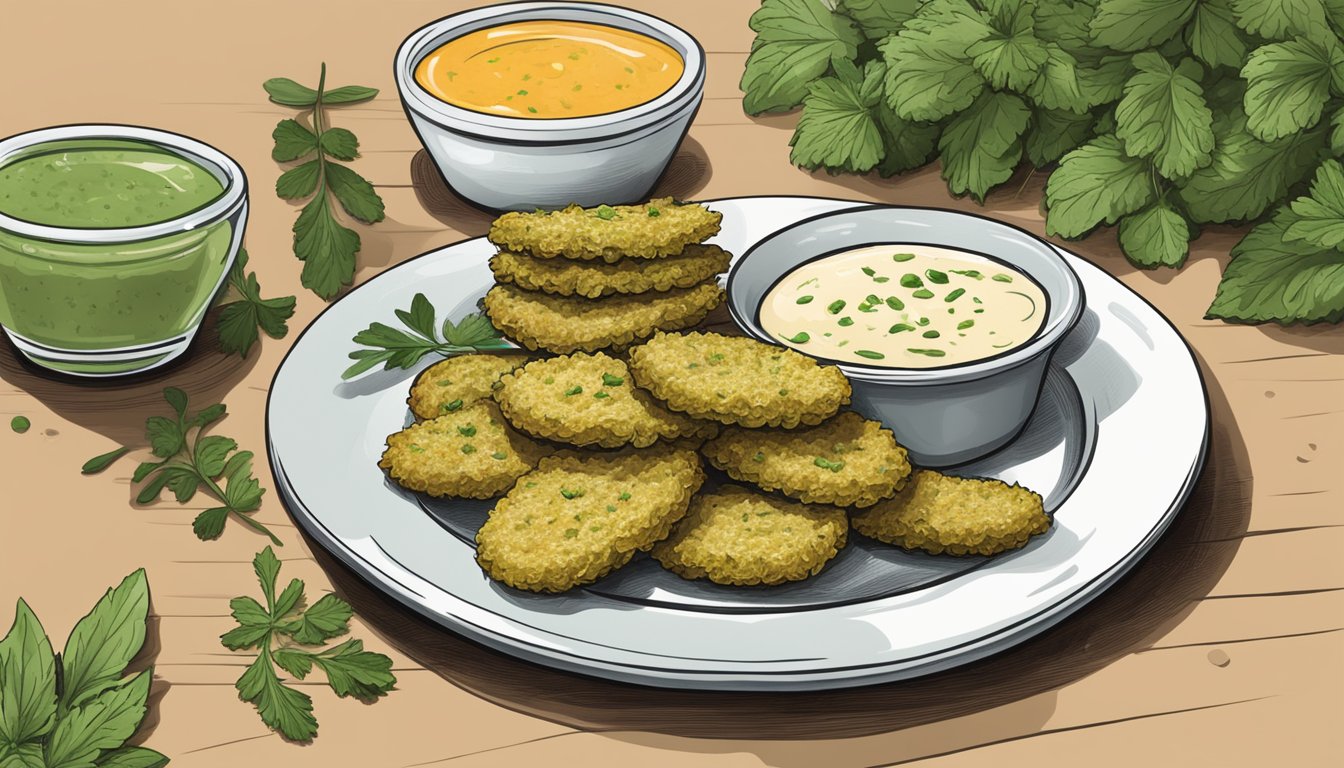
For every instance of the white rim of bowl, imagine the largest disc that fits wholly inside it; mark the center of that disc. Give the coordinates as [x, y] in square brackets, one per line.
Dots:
[500, 129]
[1070, 309]
[233, 179]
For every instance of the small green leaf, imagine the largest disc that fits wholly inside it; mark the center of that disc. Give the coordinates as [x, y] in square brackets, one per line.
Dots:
[267, 567]
[1213, 35]
[1288, 85]
[327, 618]
[349, 94]
[300, 181]
[1163, 115]
[353, 671]
[796, 40]
[340, 144]
[131, 757]
[211, 453]
[102, 461]
[294, 661]
[326, 248]
[929, 73]
[1280, 19]
[980, 147]
[177, 399]
[1132, 25]
[28, 672]
[1270, 279]
[104, 722]
[1157, 236]
[293, 140]
[838, 128]
[105, 640]
[355, 194]
[281, 708]
[165, 436]
[209, 524]
[282, 90]
[1096, 183]
[1320, 216]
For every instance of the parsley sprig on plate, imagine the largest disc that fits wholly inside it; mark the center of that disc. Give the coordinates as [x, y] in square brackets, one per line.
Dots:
[326, 248]
[288, 633]
[190, 461]
[396, 348]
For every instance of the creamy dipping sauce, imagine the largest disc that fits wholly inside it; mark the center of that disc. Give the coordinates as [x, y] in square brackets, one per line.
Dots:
[549, 69]
[904, 306]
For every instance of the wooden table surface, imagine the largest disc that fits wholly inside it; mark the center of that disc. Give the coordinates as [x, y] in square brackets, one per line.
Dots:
[1224, 647]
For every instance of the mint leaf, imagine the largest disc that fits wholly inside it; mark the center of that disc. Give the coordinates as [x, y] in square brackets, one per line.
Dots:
[326, 248]
[795, 43]
[327, 618]
[1213, 35]
[930, 75]
[1163, 115]
[1280, 19]
[1288, 85]
[1320, 217]
[293, 140]
[1010, 56]
[1157, 236]
[1058, 86]
[104, 722]
[132, 757]
[340, 144]
[1054, 133]
[105, 640]
[1247, 175]
[879, 18]
[28, 671]
[165, 436]
[980, 147]
[284, 709]
[209, 524]
[353, 671]
[282, 90]
[1132, 25]
[1096, 182]
[355, 194]
[908, 144]
[1270, 279]
[838, 128]
[299, 181]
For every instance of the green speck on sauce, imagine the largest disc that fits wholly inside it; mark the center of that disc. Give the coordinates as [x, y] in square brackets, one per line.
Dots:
[845, 322]
[805, 299]
[900, 328]
[801, 337]
[869, 354]
[931, 334]
[954, 295]
[1002, 279]
[835, 306]
[911, 280]
[927, 352]
[964, 324]
[895, 303]
[923, 293]
[936, 277]
[902, 256]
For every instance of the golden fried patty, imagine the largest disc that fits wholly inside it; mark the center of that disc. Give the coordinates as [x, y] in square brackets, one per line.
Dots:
[694, 265]
[653, 230]
[470, 453]
[738, 536]
[457, 382]
[942, 514]
[847, 460]
[584, 399]
[577, 517]
[564, 324]
[736, 380]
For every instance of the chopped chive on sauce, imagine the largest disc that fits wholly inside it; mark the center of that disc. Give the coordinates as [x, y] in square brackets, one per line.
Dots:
[954, 295]
[845, 322]
[654, 212]
[900, 328]
[1002, 279]
[910, 280]
[923, 321]
[881, 279]
[801, 337]
[805, 299]
[923, 293]
[977, 300]
[895, 303]
[927, 352]
[869, 271]
[931, 334]
[936, 277]
[835, 306]
[871, 355]
[971, 273]
[872, 299]
[964, 324]
[902, 256]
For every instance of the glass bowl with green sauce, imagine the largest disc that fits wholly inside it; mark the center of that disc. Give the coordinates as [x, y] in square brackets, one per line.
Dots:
[113, 241]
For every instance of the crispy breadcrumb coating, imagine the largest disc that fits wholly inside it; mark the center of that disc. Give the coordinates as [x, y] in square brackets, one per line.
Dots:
[694, 265]
[651, 230]
[457, 382]
[470, 453]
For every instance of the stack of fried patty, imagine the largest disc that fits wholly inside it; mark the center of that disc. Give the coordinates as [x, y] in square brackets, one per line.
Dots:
[588, 279]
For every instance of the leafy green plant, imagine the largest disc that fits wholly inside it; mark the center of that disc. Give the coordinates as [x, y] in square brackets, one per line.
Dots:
[240, 319]
[326, 247]
[192, 461]
[78, 709]
[1161, 115]
[395, 348]
[288, 633]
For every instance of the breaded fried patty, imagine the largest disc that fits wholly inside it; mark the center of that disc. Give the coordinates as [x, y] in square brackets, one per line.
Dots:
[942, 514]
[847, 460]
[577, 517]
[564, 324]
[736, 380]
[738, 536]
[694, 265]
[584, 399]
[469, 453]
[653, 230]
[457, 382]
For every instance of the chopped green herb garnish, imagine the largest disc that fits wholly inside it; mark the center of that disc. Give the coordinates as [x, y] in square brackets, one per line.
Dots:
[936, 277]
[499, 455]
[601, 395]
[881, 279]
[758, 458]
[805, 299]
[1002, 279]
[654, 212]
[835, 306]
[909, 280]
[605, 212]
[801, 338]
[571, 533]
[450, 407]
[805, 283]
[895, 303]
[467, 431]
[931, 334]
[625, 496]
[468, 448]
[533, 110]
[845, 322]
[522, 93]
[954, 295]
[902, 256]
[574, 494]
[923, 321]
[824, 463]
[979, 311]
[869, 271]
[611, 381]
[927, 352]
[871, 355]
[964, 324]
[923, 293]
[574, 390]
[900, 328]
[872, 299]
[783, 392]
[492, 61]
[977, 300]
[971, 273]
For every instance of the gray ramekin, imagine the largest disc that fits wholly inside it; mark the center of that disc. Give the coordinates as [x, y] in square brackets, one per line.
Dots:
[507, 163]
[946, 415]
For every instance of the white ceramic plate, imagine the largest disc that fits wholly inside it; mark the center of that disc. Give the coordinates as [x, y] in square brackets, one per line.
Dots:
[1115, 446]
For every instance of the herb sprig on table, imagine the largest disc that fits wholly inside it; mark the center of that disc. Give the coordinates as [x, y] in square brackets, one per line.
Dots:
[191, 461]
[395, 348]
[77, 709]
[240, 319]
[326, 247]
[288, 633]
[1161, 116]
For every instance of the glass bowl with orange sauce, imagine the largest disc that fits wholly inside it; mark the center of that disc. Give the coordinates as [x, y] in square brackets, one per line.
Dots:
[539, 105]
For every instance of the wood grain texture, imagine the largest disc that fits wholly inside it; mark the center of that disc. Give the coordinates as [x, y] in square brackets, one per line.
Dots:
[1225, 646]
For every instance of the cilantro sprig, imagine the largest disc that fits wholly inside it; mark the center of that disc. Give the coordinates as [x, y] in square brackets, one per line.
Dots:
[396, 348]
[240, 319]
[287, 632]
[1154, 116]
[79, 708]
[326, 247]
[190, 461]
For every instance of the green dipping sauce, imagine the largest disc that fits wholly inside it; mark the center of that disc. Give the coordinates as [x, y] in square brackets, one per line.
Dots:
[126, 184]
[77, 294]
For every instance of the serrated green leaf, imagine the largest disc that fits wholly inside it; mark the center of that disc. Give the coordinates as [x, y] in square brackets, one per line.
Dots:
[930, 75]
[1058, 86]
[249, 613]
[182, 481]
[472, 330]
[1270, 279]
[293, 140]
[152, 488]
[879, 18]
[28, 669]
[326, 248]
[1337, 132]
[1065, 23]
[355, 194]
[1213, 35]
[267, 567]
[1247, 175]
[1054, 133]
[22, 755]
[209, 524]
[420, 318]
[1320, 216]
[353, 671]
[105, 640]
[177, 399]
[208, 415]
[1157, 236]
[1163, 115]
[281, 708]
[1132, 25]
[1287, 87]
[294, 661]
[240, 320]
[300, 181]
[1280, 19]
[1106, 81]
[1010, 56]
[288, 600]
[102, 461]
[132, 757]
[838, 128]
[211, 453]
[103, 722]
[980, 147]
[165, 436]
[340, 144]
[282, 90]
[1096, 183]
[327, 618]
[908, 144]
[795, 43]
[348, 94]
